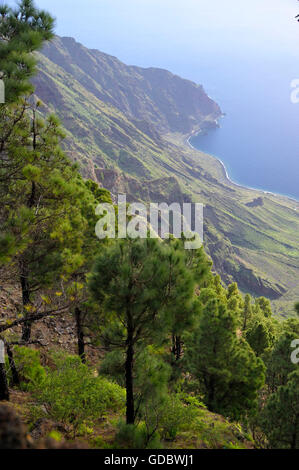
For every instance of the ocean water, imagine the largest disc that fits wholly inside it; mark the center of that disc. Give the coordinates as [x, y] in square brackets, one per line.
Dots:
[258, 138]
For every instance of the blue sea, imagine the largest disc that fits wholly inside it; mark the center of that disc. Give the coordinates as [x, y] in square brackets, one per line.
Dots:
[258, 138]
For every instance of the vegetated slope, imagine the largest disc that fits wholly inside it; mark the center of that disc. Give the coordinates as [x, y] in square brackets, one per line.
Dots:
[128, 126]
[152, 95]
[208, 431]
[56, 337]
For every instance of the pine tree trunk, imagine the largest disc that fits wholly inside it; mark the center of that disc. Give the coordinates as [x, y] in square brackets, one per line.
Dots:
[80, 335]
[32, 195]
[176, 347]
[26, 331]
[173, 349]
[12, 365]
[130, 413]
[211, 394]
[4, 392]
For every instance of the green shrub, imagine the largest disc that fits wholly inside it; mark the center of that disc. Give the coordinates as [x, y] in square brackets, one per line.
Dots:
[132, 436]
[72, 395]
[176, 416]
[31, 372]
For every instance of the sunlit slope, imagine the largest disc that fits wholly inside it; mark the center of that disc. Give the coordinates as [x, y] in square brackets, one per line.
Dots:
[127, 127]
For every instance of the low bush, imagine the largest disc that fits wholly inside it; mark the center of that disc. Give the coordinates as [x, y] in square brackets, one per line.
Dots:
[31, 372]
[73, 396]
[176, 416]
[133, 436]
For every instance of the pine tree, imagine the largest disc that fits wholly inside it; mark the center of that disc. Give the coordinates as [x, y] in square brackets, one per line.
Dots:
[228, 372]
[235, 301]
[184, 305]
[83, 306]
[263, 306]
[247, 311]
[22, 31]
[280, 417]
[41, 211]
[260, 334]
[135, 282]
[278, 362]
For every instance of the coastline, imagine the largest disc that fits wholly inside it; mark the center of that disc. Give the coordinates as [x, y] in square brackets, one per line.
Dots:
[227, 177]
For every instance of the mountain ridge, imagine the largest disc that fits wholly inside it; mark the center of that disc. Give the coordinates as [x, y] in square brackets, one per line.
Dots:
[131, 146]
[152, 94]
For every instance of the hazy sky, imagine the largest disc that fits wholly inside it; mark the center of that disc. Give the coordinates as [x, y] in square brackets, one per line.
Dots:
[168, 32]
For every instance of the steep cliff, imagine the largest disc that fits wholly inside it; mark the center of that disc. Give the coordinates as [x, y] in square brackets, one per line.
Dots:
[127, 127]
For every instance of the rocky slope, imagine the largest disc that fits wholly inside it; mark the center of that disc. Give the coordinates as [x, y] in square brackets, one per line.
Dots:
[128, 126]
[147, 95]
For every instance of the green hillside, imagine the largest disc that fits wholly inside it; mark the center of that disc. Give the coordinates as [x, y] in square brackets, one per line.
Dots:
[128, 129]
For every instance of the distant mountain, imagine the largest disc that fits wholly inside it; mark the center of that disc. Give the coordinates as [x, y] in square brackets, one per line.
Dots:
[116, 114]
[151, 95]
[128, 126]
